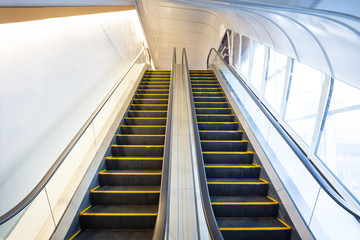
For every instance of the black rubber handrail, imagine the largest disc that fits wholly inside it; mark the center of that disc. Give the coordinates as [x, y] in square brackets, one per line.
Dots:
[162, 216]
[318, 176]
[50, 173]
[205, 197]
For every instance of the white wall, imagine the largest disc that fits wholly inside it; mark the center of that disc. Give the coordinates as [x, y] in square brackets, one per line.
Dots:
[53, 75]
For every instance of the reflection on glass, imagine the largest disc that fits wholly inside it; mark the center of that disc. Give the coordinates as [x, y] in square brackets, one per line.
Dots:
[305, 92]
[257, 65]
[275, 78]
[339, 147]
[245, 57]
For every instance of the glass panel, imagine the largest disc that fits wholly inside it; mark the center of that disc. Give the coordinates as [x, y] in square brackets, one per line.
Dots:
[305, 92]
[236, 51]
[257, 66]
[275, 78]
[339, 147]
[245, 57]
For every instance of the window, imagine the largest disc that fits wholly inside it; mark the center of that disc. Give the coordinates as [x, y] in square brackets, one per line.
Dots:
[257, 65]
[275, 79]
[245, 57]
[304, 97]
[339, 147]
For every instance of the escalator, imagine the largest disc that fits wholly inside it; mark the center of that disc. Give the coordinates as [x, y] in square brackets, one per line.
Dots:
[126, 202]
[238, 196]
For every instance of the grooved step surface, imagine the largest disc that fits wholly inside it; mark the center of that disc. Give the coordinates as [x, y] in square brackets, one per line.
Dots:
[91, 234]
[125, 204]
[238, 196]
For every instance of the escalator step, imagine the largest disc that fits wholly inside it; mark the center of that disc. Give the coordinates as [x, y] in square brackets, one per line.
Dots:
[130, 177]
[211, 104]
[133, 163]
[209, 99]
[224, 145]
[215, 117]
[208, 94]
[244, 206]
[92, 234]
[144, 121]
[147, 113]
[207, 90]
[149, 101]
[218, 125]
[237, 186]
[213, 110]
[148, 106]
[232, 170]
[144, 129]
[228, 157]
[149, 96]
[125, 195]
[220, 135]
[253, 228]
[140, 139]
[137, 150]
[119, 217]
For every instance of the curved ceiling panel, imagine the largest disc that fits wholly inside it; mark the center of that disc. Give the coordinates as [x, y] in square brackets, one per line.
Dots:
[168, 25]
[313, 32]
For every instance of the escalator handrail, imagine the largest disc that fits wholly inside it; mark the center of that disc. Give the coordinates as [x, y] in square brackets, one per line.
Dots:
[50, 173]
[315, 172]
[205, 196]
[162, 216]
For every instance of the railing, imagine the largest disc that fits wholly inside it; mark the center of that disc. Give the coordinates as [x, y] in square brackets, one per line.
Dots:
[318, 176]
[205, 197]
[142, 58]
[162, 216]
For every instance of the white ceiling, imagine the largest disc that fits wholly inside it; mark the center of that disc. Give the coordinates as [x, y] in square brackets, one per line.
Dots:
[168, 25]
[323, 34]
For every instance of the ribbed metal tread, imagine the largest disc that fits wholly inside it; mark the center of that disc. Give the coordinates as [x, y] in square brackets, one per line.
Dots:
[92, 234]
[122, 210]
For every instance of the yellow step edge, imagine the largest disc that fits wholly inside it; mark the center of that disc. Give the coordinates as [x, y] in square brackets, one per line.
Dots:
[147, 110]
[142, 125]
[195, 84]
[206, 88]
[135, 104]
[244, 203]
[246, 152]
[127, 173]
[216, 115]
[146, 146]
[210, 92]
[152, 94]
[207, 97]
[212, 108]
[151, 99]
[287, 226]
[220, 122]
[153, 86]
[119, 191]
[240, 183]
[73, 236]
[156, 78]
[252, 166]
[254, 228]
[215, 131]
[221, 141]
[140, 135]
[211, 102]
[159, 90]
[144, 118]
[119, 214]
[82, 212]
[132, 158]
